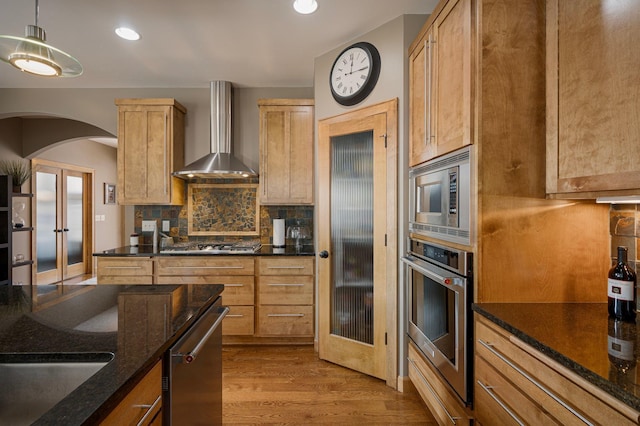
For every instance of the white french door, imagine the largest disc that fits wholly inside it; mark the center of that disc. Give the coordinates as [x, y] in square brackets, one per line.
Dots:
[62, 212]
[357, 267]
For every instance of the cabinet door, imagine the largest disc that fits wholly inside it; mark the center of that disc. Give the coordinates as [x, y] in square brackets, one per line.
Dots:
[419, 95]
[592, 96]
[150, 146]
[286, 152]
[451, 103]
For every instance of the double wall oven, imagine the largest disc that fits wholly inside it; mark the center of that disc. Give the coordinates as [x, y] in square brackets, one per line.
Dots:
[439, 276]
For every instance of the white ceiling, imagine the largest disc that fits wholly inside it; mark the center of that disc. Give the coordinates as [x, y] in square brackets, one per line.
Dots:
[187, 43]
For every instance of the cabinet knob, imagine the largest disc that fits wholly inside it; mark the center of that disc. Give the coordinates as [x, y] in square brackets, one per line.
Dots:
[324, 254]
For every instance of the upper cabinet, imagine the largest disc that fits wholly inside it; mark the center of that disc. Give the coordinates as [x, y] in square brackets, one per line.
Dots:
[593, 92]
[441, 83]
[150, 148]
[286, 151]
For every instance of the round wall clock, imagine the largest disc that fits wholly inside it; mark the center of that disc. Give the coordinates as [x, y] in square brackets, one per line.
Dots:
[355, 73]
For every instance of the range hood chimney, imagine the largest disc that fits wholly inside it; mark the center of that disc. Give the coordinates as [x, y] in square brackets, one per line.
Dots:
[220, 162]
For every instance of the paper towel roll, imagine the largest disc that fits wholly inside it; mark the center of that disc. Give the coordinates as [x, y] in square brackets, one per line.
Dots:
[278, 232]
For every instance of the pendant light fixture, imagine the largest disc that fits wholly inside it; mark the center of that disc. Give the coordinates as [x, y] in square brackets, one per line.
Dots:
[33, 55]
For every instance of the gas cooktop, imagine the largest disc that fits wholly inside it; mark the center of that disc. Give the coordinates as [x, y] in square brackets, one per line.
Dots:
[239, 247]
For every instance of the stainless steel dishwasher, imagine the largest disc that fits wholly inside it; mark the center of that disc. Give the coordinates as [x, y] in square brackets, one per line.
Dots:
[192, 378]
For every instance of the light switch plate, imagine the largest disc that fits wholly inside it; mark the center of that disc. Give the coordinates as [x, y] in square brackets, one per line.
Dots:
[148, 225]
[166, 227]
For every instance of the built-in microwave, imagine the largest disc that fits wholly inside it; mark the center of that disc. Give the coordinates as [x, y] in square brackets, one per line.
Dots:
[440, 197]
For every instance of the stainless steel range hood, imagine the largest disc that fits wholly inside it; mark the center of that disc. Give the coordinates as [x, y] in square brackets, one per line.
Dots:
[220, 162]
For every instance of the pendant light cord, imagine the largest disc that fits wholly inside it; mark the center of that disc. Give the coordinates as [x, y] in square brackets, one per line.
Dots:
[37, 12]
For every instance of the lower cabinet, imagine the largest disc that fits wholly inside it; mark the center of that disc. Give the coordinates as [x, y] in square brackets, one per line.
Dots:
[125, 270]
[285, 296]
[235, 273]
[516, 384]
[143, 405]
[442, 402]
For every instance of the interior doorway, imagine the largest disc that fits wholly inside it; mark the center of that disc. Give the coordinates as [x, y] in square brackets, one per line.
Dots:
[357, 269]
[62, 215]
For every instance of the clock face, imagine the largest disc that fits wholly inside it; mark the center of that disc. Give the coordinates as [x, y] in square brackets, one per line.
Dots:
[355, 73]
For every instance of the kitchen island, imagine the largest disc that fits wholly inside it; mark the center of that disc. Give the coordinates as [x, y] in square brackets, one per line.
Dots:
[583, 348]
[55, 321]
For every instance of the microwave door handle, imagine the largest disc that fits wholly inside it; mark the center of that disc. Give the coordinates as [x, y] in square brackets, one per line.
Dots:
[429, 274]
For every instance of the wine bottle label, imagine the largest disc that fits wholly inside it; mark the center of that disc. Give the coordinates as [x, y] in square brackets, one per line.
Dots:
[621, 290]
[621, 349]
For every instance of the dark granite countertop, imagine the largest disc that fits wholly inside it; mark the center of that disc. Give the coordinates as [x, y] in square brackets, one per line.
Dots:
[577, 336]
[51, 320]
[265, 250]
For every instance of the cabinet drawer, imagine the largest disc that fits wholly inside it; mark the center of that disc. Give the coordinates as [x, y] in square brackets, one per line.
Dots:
[285, 320]
[238, 289]
[497, 401]
[124, 279]
[292, 265]
[144, 401]
[445, 407]
[199, 265]
[563, 395]
[285, 290]
[125, 266]
[239, 321]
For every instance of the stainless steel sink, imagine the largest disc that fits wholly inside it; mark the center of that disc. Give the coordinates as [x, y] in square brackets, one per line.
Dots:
[33, 383]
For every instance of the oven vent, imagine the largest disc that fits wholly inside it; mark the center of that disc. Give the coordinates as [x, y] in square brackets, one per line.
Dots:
[453, 234]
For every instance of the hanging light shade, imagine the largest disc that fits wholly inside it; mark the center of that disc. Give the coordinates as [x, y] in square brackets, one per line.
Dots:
[33, 55]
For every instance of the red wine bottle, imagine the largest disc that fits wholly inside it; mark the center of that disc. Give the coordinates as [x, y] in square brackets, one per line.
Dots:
[622, 289]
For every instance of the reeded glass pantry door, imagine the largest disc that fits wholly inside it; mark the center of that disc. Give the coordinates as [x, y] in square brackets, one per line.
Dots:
[352, 268]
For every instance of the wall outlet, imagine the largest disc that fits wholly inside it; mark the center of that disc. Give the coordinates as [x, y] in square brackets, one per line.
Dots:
[148, 225]
[166, 227]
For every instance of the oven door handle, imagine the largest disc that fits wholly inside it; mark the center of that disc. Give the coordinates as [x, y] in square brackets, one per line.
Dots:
[430, 274]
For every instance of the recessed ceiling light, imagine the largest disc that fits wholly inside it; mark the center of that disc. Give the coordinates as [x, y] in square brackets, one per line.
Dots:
[305, 6]
[127, 33]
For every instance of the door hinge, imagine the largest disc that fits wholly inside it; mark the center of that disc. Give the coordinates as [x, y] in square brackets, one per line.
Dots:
[385, 139]
[385, 338]
[385, 240]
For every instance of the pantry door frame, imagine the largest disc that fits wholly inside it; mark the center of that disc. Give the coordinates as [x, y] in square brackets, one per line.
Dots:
[332, 347]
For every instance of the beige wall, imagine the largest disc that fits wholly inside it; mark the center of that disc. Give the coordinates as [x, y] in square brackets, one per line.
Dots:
[96, 107]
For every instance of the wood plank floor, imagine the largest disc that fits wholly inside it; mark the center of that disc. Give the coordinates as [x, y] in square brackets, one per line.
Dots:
[289, 385]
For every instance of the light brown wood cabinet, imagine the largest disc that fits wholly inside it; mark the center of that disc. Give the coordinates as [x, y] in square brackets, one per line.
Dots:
[442, 402]
[286, 151]
[235, 273]
[516, 384]
[285, 294]
[125, 270]
[143, 405]
[593, 93]
[440, 94]
[150, 148]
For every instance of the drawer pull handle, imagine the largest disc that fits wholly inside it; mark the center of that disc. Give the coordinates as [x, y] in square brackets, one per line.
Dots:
[285, 267]
[235, 315]
[495, 397]
[285, 315]
[206, 267]
[286, 285]
[234, 285]
[123, 267]
[433, 393]
[150, 409]
[490, 348]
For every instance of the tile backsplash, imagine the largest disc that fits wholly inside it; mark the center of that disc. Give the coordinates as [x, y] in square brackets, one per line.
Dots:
[624, 227]
[178, 221]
